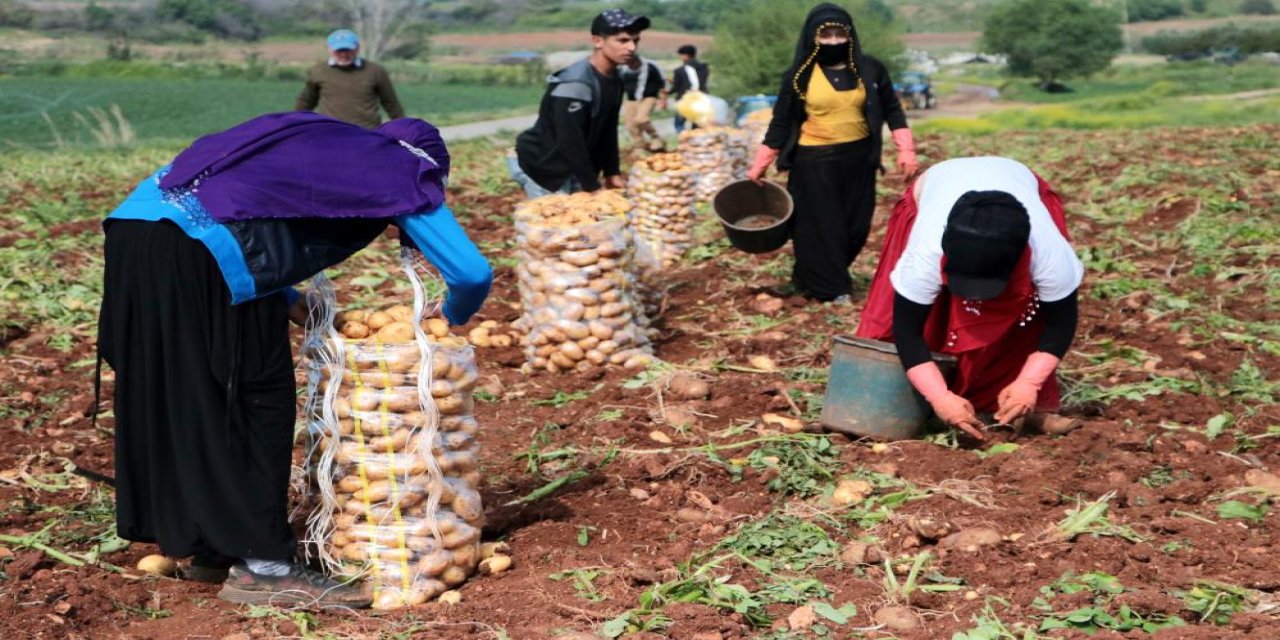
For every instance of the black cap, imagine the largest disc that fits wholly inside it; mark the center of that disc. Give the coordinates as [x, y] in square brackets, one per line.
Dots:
[986, 235]
[615, 21]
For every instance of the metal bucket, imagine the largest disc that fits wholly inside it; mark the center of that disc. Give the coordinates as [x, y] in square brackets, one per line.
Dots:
[768, 207]
[868, 393]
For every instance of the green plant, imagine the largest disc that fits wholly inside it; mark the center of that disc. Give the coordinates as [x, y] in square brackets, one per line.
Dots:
[562, 399]
[583, 581]
[784, 541]
[801, 465]
[1100, 614]
[1091, 518]
[901, 591]
[1217, 602]
[1234, 509]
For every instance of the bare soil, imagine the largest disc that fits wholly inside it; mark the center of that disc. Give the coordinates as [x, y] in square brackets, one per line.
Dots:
[631, 507]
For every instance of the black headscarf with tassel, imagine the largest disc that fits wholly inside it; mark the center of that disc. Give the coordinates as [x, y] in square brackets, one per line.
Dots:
[821, 16]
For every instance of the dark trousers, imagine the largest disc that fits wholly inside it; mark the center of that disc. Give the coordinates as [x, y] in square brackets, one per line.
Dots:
[204, 399]
[834, 188]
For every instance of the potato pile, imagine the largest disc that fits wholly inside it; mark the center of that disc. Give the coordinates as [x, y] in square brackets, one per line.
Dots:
[717, 154]
[661, 189]
[395, 457]
[577, 284]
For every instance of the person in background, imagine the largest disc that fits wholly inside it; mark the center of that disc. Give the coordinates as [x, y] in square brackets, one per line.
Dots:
[977, 263]
[575, 138]
[691, 75]
[197, 297]
[826, 129]
[642, 87]
[348, 87]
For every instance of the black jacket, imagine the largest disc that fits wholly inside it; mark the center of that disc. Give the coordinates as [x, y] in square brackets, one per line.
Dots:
[680, 78]
[789, 112]
[576, 134]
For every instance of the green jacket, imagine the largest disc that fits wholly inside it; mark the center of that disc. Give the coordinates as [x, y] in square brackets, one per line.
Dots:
[350, 93]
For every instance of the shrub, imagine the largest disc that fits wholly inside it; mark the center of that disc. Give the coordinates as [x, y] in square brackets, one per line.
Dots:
[1258, 7]
[1151, 10]
[1053, 40]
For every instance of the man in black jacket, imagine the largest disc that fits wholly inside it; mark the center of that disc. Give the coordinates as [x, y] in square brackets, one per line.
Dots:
[690, 76]
[575, 138]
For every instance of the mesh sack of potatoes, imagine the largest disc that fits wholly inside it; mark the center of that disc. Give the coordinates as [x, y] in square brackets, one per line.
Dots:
[577, 283]
[393, 450]
[716, 154]
[754, 126]
[661, 190]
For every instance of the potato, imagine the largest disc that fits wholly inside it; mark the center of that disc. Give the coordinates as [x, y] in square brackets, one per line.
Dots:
[354, 315]
[453, 576]
[355, 330]
[397, 331]
[400, 312]
[468, 507]
[378, 320]
[466, 556]
[434, 563]
[494, 565]
[157, 565]
[437, 327]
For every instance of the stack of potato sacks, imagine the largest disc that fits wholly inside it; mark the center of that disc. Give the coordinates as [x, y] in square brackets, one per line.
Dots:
[661, 190]
[577, 284]
[754, 126]
[719, 155]
[394, 455]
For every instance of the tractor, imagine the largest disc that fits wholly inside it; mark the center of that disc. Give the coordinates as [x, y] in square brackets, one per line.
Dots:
[915, 91]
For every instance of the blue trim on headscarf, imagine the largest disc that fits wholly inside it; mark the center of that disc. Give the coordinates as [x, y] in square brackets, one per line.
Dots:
[148, 202]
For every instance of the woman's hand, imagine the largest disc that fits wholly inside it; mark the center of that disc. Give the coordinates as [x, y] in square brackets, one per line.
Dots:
[958, 412]
[765, 156]
[906, 145]
[614, 182]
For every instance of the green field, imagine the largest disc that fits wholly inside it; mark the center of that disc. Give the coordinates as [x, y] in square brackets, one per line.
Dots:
[159, 109]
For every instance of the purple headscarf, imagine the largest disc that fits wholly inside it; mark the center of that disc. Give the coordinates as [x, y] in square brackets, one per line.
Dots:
[305, 165]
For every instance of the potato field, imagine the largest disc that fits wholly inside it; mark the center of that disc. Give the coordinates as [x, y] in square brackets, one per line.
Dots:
[692, 494]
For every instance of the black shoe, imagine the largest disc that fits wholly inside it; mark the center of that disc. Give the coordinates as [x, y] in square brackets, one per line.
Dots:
[211, 569]
[300, 586]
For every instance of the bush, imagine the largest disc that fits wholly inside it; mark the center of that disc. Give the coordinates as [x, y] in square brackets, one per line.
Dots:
[227, 18]
[756, 44]
[1151, 10]
[1249, 40]
[1258, 7]
[1053, 40]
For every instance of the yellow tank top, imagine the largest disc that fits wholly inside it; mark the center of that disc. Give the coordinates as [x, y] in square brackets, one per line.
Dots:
[832, 117]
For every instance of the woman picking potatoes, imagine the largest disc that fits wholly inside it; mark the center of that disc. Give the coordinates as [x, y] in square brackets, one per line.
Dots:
[200, 260]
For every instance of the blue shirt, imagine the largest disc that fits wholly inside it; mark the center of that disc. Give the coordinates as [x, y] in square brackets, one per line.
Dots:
[435, 233]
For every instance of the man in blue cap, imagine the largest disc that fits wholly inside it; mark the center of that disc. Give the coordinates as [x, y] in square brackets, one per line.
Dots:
[348, 87]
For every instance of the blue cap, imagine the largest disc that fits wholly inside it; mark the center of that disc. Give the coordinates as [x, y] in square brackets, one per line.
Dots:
[343, 39]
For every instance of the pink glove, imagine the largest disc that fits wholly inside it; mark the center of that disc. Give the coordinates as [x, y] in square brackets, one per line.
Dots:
[1019, 398]
[765, 156]
[906, 145]
[951, 408]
